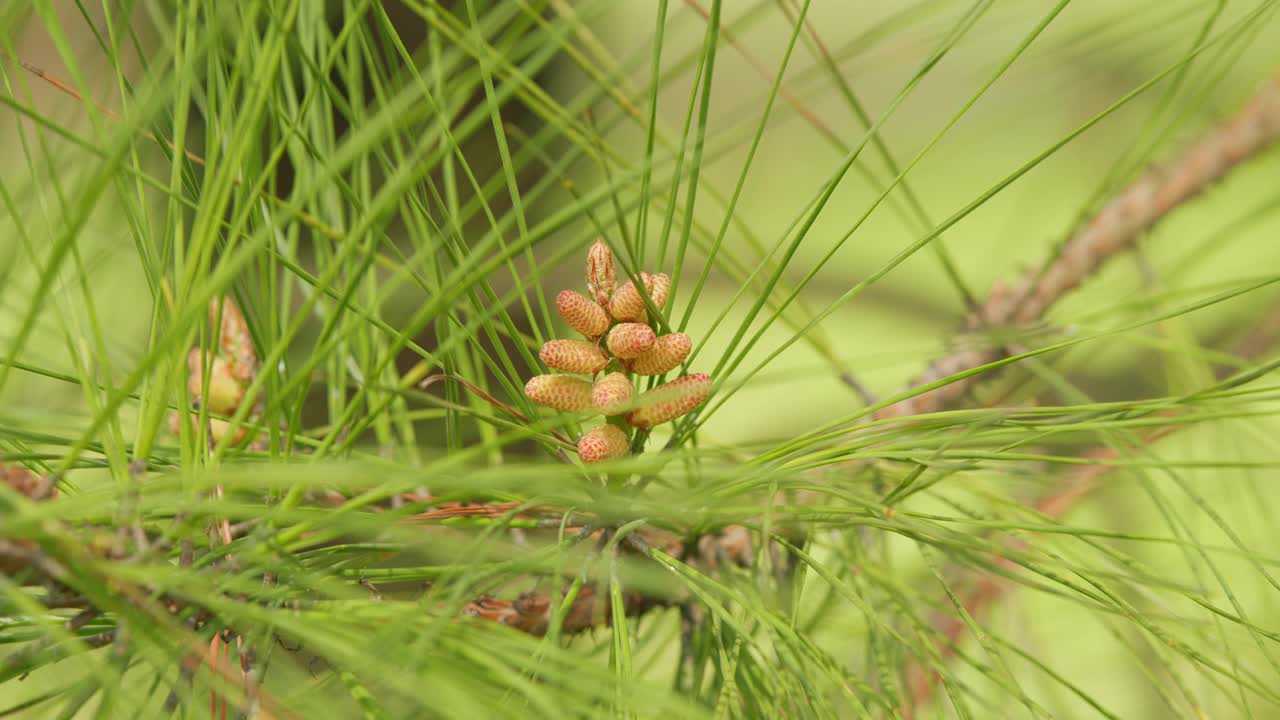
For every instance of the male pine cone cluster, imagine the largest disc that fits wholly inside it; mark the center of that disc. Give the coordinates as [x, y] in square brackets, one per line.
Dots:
[620, 342]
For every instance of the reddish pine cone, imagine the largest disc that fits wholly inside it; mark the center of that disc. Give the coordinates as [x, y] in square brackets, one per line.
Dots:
[613, 393]
[606, 442]
[629, 340]
[573, 356]
[668, 402]
[582, 313]
[658, 287]
[564, 393]
[667, 353]
[627, 305]
[601, 277]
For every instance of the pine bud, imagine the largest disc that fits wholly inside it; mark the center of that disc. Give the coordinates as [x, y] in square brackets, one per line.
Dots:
[573, 356]
[601, 277]
[564, 393]
[668, 402]
[234, 340]
[667, 353]
[613, 393]
[628, 340]
[224, 393]
[582, 313]
[606, 442]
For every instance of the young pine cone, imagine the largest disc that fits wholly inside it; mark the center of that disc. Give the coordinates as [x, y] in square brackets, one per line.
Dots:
[579, 357]
[232, 365]
[658, 287]
[628, 340]
[668, 402]
[606, 442]
[564, 393]
[613, 393]
[582, 313]
[626, 305]
[234, 342]
[667, 353]
[224, 392]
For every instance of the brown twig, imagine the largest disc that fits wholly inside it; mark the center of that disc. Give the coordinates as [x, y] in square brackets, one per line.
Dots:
[532, 612]
[1133, 211]
[1129, 214]
[540, 515]
[23, 554]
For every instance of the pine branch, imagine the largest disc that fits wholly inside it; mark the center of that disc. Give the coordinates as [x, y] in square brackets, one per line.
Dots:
[1126, 217]
[1073, 487]
[532, 612]
[21, 555]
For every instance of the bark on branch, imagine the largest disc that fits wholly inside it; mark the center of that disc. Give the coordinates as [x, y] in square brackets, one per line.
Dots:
[1130, 213]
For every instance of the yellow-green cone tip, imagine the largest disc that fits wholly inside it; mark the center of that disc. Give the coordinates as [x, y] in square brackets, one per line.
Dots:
[224, 393]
